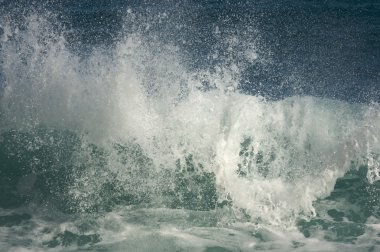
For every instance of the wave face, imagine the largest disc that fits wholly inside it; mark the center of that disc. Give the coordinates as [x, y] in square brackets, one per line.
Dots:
[99, 143]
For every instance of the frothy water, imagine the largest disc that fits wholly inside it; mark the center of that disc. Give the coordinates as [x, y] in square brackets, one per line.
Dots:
[131, 147]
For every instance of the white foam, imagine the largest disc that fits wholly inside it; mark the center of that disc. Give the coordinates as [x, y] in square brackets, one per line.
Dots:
[136, 93]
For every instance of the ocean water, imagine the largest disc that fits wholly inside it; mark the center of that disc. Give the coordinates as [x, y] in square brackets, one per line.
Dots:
[189, 125]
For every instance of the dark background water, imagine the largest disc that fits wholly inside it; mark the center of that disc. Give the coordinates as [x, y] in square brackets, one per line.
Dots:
[320, 48]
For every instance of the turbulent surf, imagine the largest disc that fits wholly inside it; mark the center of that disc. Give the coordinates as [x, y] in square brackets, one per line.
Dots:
[160, 131]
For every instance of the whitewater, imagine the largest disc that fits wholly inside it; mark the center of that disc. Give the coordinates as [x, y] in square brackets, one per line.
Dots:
[129, 147]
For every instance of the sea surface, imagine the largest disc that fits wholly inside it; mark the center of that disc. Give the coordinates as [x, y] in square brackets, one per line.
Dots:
[208, 126]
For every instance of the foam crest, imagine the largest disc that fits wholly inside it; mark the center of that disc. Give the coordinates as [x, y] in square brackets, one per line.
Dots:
[271, 158]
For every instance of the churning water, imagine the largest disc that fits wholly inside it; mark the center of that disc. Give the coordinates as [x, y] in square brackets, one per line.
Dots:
[193, 126]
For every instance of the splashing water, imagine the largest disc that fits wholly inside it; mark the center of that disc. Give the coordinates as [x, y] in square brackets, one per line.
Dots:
[134, 131]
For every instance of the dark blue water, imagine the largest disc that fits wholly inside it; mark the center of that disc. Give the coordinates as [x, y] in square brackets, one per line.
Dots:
[325, 49]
